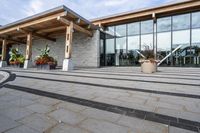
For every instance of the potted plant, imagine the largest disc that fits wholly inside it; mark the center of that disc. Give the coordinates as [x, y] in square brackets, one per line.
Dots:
[148, 61]
[44, 61]
[16, 58]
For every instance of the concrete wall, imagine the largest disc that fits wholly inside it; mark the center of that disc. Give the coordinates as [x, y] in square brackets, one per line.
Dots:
[85, 50]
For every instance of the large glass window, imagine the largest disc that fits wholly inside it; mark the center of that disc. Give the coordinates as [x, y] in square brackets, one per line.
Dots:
[110, 32]
[181, 22]
[134, 29]
[147, 27]
[181, 37]
[196, 20]
[110, 52]
[164, 24]
[147, 34]
[147, 41]
[195, 46]
[124, 42]
[133, 48]
[121, 51]
[164, 39]
[120, 31]
[164, 47]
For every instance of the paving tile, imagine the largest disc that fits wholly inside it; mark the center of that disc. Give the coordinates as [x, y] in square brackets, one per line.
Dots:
[7, 123]
[100, 114]
[143, 126]
[100, 126]
[21, 102]
[16, 113]
[40, 108]
[63, 128]
[48, 101]
[38, 122]
[8, 97]
[71, 106]
[179, 130]
[67, 116]
[22, 129]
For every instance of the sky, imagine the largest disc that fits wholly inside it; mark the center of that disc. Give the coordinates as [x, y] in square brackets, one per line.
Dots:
[13, 10]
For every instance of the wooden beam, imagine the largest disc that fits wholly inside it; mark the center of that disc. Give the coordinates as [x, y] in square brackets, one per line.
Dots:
[78, 20]
[4, 45]
[75, 26]
[51, 29]
[63, 20]
[36, 34]
[13, 40]
[29, 46]
[34, 22]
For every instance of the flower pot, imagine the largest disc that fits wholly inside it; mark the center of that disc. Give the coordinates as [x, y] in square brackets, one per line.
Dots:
[17, 65]
[46, 66]
[148, 66]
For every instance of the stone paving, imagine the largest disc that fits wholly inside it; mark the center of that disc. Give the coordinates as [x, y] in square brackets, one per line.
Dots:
[22, 112]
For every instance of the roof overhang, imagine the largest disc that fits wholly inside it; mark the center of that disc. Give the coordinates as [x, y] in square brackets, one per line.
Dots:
[143, 14]
[45, 24]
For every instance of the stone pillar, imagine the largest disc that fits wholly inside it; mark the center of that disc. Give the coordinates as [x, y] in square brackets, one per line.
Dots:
[28, 61]
[67, 62]
[3, 62]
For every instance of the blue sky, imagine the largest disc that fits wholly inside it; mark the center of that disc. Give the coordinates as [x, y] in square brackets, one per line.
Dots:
[13, 10]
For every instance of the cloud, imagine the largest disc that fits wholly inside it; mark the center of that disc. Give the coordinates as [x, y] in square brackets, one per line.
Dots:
[115, 2]
[35, 7]
[18, 9]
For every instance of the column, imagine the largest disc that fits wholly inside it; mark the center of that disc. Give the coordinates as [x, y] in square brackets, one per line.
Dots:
[3, 62]
[67, 62]
[28, 61]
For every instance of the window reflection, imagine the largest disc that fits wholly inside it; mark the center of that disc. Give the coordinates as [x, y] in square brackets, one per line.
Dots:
[195, 48]
[182, 56]
[196, 20]
[181, 22]
[133, 47]
[120, 31]
[110, 52]
[123, 41]
[147, 41]
[147, 27]
[121, 57]
[164, 24]
[164, 47]
[134, 29]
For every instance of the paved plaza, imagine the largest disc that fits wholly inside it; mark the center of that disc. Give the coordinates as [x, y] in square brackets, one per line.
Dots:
[101, 100]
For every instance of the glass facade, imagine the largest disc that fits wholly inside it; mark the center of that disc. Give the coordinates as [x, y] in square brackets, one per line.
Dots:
[123, 43]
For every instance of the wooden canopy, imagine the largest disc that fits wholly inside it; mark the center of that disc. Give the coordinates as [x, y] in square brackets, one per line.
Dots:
[45, 25]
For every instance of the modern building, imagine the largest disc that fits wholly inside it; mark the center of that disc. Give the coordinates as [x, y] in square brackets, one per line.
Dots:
[114, 40]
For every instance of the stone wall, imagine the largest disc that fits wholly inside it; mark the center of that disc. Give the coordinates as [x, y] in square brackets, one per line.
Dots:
[85, 50]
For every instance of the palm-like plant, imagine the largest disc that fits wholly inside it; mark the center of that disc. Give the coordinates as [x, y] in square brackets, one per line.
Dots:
[16, 57]
[44, 52]
[44, 57]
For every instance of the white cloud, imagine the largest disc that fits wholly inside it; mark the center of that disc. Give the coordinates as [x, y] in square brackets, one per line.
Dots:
[35, 6]
[18, 9]
[115, 2]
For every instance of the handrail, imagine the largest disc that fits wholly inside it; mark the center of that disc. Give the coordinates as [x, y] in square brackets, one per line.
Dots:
[169, 54]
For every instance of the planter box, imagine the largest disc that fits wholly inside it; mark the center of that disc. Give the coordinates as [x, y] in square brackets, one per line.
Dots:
[46, 67]
[17, 66]
[148, 67]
